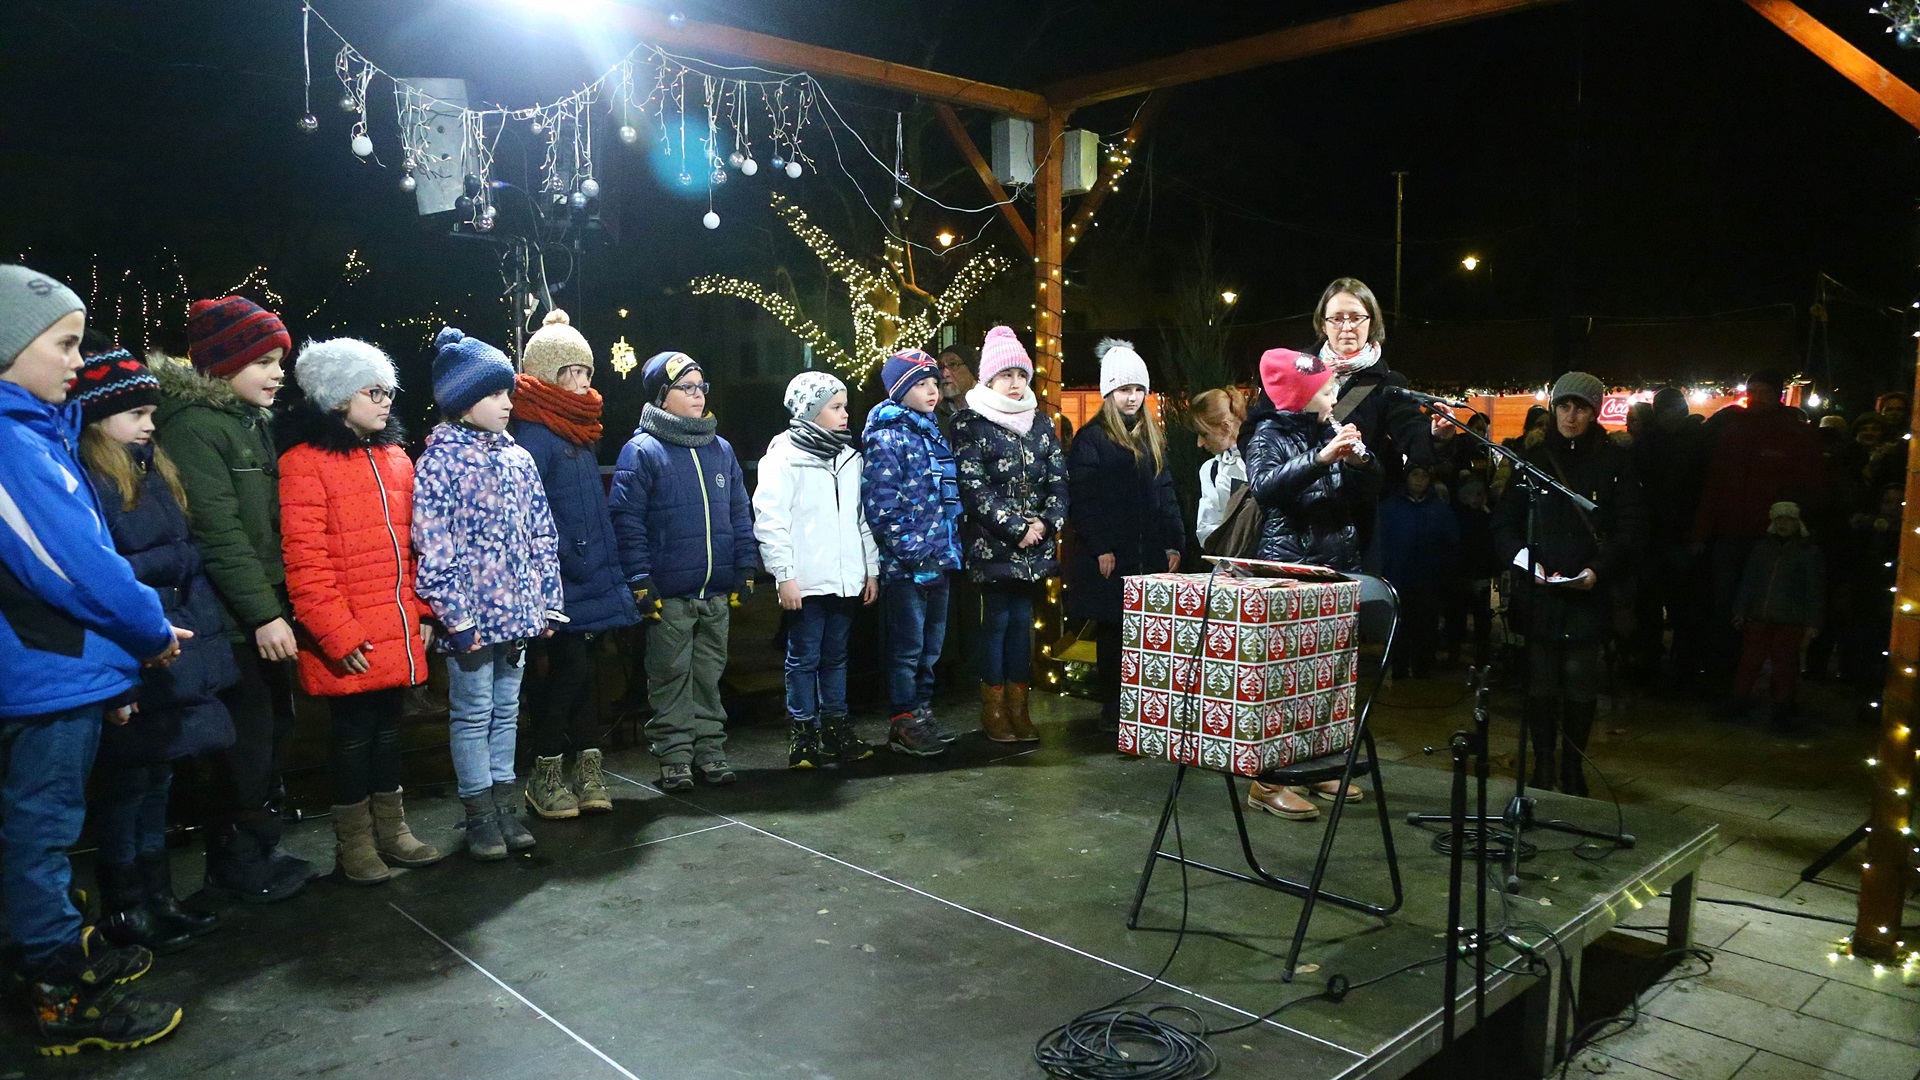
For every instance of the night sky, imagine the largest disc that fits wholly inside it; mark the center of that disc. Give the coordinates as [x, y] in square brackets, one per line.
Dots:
[1657, 187]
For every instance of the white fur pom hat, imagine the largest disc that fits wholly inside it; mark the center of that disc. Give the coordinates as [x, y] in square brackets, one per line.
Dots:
[1120, 366]
[331, 372]
[554, 346]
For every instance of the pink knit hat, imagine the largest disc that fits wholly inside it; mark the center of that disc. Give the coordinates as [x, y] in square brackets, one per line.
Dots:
[1291, 378]
[1002, 350]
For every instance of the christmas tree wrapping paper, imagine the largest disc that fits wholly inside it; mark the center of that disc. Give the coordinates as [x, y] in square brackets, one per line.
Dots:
[1237, 674]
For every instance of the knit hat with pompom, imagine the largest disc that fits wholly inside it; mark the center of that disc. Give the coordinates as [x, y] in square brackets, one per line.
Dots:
[554, 346]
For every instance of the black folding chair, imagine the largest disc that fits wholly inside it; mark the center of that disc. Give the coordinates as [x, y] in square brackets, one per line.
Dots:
[1379, 621]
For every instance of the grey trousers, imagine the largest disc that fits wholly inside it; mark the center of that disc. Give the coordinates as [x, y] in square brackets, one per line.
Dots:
[686, 655]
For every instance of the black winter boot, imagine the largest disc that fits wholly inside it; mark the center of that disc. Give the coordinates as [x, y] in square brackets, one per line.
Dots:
[484, 842]
[1578, 721]
[838, 739]
[127, 918]
[156, 869]
[803, 745]
[1542, 731]
[511, 830]
[77, 1000]
[243, 863]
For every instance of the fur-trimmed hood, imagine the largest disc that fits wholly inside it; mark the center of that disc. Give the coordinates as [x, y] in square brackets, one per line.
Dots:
[182, 387]
[301, 421]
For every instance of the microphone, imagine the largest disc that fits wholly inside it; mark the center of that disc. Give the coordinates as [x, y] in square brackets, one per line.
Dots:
[1427, 399]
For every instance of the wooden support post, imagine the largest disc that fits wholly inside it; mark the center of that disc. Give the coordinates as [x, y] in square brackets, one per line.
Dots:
[1111, 170]
[1049, 309]
[958, 133]
[1841, 56]
[1887, 874]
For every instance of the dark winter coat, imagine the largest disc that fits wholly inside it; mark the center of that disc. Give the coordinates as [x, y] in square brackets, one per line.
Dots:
[1308, 509]
[346, 509]
[1671, 463]
[681, 515]
[1760, 457]
[1121, 506]
[910, 491]
[597, 595]
[1785, 582]
[180, 713]
[1594, 466]
[224, 450]
[1005, 479]
[1419, 542]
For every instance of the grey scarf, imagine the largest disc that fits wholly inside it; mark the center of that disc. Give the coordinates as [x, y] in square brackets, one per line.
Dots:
[816, 440]
[678, 430]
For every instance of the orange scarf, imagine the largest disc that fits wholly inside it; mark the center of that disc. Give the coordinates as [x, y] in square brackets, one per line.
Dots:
[573, 417]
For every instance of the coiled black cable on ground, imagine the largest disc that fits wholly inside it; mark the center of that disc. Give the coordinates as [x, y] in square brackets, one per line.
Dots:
[1127, 1044]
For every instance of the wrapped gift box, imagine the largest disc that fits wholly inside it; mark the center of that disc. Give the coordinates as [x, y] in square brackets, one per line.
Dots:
[1237, 674]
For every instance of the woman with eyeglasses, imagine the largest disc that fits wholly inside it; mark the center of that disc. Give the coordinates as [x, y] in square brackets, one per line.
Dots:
[346, 522]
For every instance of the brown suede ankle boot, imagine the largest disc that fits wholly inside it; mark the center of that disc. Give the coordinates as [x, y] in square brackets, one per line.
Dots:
[1023, 728]
[993, 714]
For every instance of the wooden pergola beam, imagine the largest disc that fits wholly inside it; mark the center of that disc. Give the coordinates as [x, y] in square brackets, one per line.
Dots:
[1294, 43]
[957, 131]
[1839, 54]
[650, 25]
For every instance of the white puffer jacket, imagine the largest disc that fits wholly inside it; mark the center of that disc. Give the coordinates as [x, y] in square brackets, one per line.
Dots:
[808, 519]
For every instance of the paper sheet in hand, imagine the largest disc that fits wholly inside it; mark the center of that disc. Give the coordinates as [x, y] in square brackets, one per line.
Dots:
[1520, 560]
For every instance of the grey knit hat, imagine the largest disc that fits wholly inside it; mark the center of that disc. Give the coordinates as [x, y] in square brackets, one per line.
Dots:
[809, 391]
[331, 372]
[30, 302]
[1579, 384]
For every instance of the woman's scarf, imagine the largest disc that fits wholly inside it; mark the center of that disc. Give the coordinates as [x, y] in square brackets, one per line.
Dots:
[573, 417]
[816, 440]
[678, 430]
[1014, 414]
[1345, 366]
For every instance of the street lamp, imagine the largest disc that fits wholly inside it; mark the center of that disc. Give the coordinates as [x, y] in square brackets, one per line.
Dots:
[945, 238]
[1471, 262]
[623, 313]
[1228, 296]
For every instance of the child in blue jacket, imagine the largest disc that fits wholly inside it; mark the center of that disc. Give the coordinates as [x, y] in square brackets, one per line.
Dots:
[76, 627]
[684, 527]
[912, 499]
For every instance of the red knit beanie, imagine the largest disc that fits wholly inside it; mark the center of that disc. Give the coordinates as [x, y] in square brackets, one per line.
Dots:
[227, 334]
[1291, 378]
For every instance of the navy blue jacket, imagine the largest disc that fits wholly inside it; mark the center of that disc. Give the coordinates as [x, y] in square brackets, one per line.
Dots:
[74, 622]
[180, 711]
[1117, 505]
[596, 590]
[682, 517]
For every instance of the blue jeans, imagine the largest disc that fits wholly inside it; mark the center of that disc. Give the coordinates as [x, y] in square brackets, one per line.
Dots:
[43, 795]
[483, 690]
[131, 811]
[916, 630]
[817, 657]
[1006, 632]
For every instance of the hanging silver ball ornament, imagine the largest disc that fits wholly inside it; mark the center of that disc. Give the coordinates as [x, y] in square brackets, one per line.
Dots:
[309, 123]
[408, 183]
[538, 127]
[719, 177]
[362, 146]
[711, 220]
[628, 135]
[677, 20]
[686, 179]
[348, 104]
[486, 219]
[578, 201]
[736, 159]
[749, 167]
[899, 203]
[793, 169]
[590, 188]
[778, 162]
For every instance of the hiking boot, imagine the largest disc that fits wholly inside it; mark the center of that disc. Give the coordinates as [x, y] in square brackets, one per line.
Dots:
[717, 772]
[394, 838]
[126, 919]
[156, 869]
[1017, 715]
[590, 784]
[547, 792]
[940, 731]
[993, 714]
[911, 733]
[77, 1001]
[511, 829]
[355, 859]
[484, 842]
[803, 745]
[839, 740]
[676, 777]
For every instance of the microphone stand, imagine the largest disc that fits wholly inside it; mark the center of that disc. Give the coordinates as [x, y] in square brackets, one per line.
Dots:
[1519, 816]
[1465, 745]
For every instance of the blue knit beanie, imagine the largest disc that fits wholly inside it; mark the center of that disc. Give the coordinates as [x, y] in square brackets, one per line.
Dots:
[465, 370]
[662, 371]
[903, 370]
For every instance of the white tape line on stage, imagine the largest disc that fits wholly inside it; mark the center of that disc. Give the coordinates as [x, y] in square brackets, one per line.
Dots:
[1095, 957]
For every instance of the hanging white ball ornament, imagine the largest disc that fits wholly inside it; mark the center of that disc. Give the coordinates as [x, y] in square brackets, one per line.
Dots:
[408, 183]
[677, 20]
[362, 146]
[590, 188]
[711, 220]
[749, 167]
[627, 134]
[793, 169]
[309, 123]
[538, 127]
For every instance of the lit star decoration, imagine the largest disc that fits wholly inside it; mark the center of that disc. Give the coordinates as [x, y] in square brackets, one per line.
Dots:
[621, 356]
[878, 327]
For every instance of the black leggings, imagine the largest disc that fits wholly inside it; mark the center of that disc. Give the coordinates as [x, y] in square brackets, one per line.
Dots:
[364, 745]
[261, 703]
[1565, 670]
[565, 713]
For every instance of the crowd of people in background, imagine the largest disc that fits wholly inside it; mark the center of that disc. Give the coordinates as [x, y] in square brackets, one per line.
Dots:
[187, 538]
